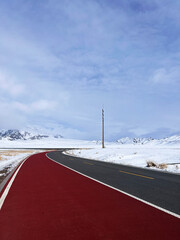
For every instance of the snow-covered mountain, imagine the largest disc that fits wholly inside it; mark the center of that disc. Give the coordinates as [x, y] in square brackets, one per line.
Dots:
[173, 140]
[128, 140]
[39, 138]
[15, 134]
[35, 133]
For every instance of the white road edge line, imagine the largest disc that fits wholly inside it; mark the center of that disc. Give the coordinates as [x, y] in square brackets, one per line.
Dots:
[5, 193]
[132, 196]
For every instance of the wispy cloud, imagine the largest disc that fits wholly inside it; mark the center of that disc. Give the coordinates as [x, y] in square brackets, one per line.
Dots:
[40, 105]
[8, 85]
[167, 76]
[61, 60]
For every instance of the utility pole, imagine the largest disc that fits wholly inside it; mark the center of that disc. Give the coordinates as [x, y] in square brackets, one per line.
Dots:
[103, 127]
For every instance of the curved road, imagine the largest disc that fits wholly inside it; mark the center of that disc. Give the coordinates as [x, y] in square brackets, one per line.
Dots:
[159, 188]
[44, 199]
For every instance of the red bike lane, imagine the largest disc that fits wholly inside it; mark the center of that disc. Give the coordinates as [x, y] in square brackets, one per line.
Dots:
[49, 201]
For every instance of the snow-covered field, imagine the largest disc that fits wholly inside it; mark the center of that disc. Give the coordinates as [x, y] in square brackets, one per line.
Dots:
[13, 152]
[164, 154]
[11, 158]
[47, 143]
[166, 158]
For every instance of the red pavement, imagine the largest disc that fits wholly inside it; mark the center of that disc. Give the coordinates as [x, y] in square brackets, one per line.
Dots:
[49, 201]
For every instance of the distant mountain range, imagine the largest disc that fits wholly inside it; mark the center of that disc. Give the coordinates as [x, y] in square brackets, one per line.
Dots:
[142, 141]
[14, 134]
[40, 134]
[128, 140]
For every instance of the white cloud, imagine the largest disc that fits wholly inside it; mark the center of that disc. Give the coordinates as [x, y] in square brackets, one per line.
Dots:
[36, 106]
[64, 59]
[166, 75]
[139, 131]
[43, 105]
[20, 51]
[10, 86]
[21, 106]
[10, 118]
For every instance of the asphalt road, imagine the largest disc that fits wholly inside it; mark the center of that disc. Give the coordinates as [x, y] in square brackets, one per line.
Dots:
[44, 200]
[159, 188]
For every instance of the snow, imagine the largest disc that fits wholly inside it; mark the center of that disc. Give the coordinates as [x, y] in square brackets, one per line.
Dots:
[135, 152]
[135, 155]
[9, 162]
[10, 159]
[173, 140]
[49, 142]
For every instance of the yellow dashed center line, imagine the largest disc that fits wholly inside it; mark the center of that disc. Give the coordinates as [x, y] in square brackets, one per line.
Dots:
[136, 175]
[88, 163]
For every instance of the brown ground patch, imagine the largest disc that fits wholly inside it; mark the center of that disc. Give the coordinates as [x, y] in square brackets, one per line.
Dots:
[163, 166]
[8, 153]
[4, 154]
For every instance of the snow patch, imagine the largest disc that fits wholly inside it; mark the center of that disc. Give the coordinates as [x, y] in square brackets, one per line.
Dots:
[9, 159]
[160, 158]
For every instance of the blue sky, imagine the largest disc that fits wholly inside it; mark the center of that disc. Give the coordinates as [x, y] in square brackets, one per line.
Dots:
[60, 61]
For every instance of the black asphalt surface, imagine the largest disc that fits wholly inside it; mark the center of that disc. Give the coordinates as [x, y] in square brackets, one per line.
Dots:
[159, 188]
